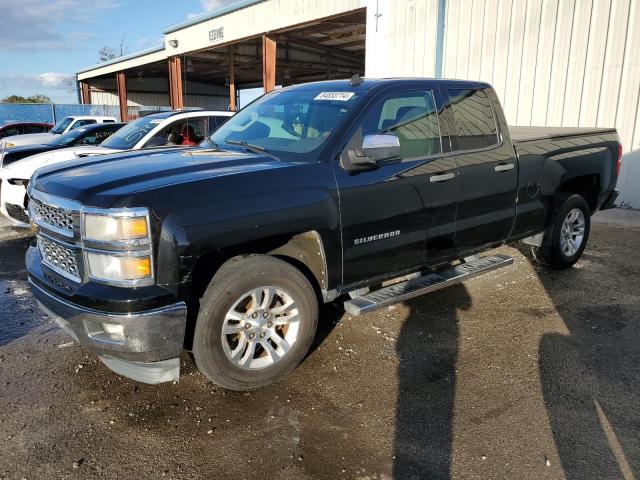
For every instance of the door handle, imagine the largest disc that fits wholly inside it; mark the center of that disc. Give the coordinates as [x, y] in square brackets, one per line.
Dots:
[503, 167]
[441, 178]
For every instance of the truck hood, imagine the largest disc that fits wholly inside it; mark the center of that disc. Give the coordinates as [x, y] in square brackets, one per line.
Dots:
[28, 139]
[99, 181]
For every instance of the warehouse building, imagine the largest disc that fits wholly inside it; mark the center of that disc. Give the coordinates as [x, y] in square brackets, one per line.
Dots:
[552, 62]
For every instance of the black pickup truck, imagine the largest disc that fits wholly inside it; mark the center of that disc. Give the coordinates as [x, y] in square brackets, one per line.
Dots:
[380, 189]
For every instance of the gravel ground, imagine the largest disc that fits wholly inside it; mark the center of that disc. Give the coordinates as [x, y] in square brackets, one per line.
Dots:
[519, 374]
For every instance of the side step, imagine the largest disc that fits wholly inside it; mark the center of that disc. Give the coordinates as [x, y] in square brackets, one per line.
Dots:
[425, 284]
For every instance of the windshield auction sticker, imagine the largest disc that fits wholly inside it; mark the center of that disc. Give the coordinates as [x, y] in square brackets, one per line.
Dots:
[341, 96]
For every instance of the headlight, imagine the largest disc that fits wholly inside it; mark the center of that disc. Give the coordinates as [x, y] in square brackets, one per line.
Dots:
[114, 268]
[9, 145]
[106, 228]
[118, 248]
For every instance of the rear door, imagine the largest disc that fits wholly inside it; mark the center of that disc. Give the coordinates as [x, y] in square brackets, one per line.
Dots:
[487, 170]
[399, 214]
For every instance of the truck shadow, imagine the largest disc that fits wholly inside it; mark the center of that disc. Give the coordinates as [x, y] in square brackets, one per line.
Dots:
[427, 350]
[590, 377]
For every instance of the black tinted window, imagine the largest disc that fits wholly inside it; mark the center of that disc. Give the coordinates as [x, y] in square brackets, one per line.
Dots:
[475, 125]
[35, 129]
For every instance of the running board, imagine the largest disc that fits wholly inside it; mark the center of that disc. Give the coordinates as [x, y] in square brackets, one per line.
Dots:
[425, 284]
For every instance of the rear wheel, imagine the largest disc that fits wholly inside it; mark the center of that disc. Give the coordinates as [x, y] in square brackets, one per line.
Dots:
[567, 236]
[257, 320]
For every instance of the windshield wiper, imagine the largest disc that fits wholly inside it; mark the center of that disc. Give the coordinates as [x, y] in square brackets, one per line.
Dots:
[251, 147]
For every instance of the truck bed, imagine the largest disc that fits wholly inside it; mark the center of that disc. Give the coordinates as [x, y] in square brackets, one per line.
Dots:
[528, 134]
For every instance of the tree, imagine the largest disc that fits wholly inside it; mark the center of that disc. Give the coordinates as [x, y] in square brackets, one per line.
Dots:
[107, 53]
[31, 99]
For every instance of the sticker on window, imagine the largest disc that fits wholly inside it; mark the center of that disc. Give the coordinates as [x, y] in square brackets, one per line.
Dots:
[340, 96]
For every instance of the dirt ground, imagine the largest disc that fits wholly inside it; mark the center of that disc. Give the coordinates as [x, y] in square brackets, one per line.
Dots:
[522, 373]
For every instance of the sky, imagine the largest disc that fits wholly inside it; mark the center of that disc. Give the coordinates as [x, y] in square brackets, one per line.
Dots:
[44, 42]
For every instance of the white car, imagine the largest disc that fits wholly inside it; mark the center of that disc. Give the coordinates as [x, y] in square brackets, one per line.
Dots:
[63, 126]
[166, 129]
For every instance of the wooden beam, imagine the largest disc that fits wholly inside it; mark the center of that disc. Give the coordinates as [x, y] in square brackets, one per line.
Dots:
[232, 82]
[175, 83]
[121, 81]
[85, 93]
[268, 63]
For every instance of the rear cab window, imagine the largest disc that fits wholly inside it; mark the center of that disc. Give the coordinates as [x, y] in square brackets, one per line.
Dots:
[474, 121]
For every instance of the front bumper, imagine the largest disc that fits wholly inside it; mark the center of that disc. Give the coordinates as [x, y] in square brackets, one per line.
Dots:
[148, 349]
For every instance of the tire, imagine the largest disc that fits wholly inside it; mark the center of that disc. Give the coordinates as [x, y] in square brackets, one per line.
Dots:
[228, 360]
[555, 252]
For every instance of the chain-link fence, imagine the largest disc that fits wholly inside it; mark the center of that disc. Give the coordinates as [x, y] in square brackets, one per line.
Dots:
[51, 113]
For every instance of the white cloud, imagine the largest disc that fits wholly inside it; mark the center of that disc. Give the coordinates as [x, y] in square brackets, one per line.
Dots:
[52, 80]
[35, 24]
[209, 5]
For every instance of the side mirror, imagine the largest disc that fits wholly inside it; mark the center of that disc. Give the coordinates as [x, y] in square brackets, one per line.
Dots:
[375, 148]
[381, 146]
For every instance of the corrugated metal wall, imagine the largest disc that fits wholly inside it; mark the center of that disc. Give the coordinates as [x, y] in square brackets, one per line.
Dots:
[552, 62]
[555, 63]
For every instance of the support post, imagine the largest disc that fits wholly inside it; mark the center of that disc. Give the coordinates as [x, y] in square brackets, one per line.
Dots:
[175, 83]
[122, 96]
[268, 63]
[232, 81]
[85, 93]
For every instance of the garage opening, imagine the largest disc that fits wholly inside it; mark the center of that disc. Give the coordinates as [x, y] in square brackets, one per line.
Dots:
[325, 49]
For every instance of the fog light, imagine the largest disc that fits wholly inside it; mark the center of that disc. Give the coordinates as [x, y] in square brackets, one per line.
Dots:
[114, 331]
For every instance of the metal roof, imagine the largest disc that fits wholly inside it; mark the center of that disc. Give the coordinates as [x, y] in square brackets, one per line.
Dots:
[218, 12]
[130, 56]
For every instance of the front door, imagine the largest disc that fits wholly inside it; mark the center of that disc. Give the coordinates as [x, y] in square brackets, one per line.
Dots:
[487, 170]
[399, 214]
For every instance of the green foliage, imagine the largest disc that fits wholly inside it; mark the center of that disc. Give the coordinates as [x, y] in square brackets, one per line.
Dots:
[31, 99]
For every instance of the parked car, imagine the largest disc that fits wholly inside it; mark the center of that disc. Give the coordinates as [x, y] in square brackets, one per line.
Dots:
[20, 128]
[17, 165]
[309, 193]
[167, 129]
[63, 126]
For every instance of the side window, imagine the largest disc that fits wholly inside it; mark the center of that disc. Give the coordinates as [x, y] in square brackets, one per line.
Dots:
[35, 129]
[215, 123]
[109, 121]
[413, 117]
[475, 124]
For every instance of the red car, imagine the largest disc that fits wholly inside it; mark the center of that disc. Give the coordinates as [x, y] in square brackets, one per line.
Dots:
[19, 128]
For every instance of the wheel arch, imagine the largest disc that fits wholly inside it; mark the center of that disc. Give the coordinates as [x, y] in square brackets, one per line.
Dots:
[303, 250]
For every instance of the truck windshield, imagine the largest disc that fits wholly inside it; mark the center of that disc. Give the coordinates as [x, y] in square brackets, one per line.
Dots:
[128, 136]
[61, 125]
[291, 125]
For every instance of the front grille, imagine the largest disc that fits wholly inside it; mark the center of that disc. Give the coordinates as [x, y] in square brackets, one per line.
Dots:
[53, 216]
[61, 259]
[17, 213]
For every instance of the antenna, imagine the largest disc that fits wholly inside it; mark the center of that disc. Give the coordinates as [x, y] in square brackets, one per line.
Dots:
[356, 80]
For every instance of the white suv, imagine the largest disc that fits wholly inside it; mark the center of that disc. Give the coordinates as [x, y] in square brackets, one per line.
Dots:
[63, 126]
[167, 129]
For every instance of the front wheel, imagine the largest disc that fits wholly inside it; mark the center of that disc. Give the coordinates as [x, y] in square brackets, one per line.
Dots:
[257, 320]
[565, 240]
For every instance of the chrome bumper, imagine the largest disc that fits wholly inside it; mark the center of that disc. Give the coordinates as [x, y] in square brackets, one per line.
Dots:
[148, 348]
